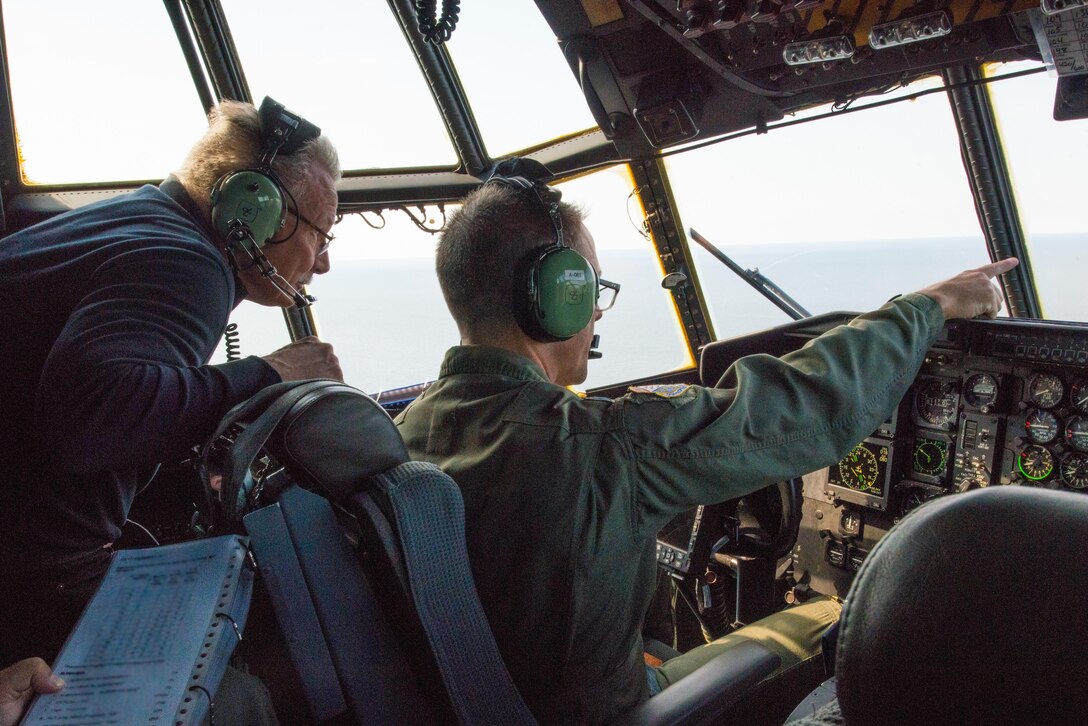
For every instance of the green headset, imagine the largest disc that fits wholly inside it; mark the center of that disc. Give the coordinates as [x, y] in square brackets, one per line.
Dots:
[555, 287]
[249, 206]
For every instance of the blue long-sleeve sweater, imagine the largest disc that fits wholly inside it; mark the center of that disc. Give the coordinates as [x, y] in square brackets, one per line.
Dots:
[110, 314]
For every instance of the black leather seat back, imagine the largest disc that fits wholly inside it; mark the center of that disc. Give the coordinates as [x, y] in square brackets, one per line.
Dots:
[333, 442]
[408, 602]
[971, 611]
[329, 436]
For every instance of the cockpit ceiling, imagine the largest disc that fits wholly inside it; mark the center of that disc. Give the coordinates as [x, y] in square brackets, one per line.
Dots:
[661, 72]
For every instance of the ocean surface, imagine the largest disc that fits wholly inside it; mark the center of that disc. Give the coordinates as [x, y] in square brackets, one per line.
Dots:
[390, 326]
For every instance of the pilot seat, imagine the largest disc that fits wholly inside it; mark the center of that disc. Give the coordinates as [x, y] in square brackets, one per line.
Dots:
[363, 554]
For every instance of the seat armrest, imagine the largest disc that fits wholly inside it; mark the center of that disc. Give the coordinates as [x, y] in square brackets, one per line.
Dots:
[707, 694]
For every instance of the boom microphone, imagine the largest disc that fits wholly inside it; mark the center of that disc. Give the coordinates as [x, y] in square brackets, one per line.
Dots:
[595, 343]
[242, 232]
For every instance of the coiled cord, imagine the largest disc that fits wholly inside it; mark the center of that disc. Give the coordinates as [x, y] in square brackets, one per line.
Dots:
[231, 340]
[436, 29]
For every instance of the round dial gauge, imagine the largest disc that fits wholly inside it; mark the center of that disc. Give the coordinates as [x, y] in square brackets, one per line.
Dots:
[1035, 462]
[1045, 390]
[1075, 470]
[1076, 433]
[859, 469]
[935, 402]
[930, 456]
[1042, 426]
[1078, 395]
[980, 390]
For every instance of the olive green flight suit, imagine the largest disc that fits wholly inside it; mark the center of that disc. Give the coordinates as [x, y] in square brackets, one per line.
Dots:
[564, 495]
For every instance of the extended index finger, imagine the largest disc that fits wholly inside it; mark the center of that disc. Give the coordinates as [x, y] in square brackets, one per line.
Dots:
[1000, 267]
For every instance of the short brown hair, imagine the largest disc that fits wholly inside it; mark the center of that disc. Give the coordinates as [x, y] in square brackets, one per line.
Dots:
[483, 245]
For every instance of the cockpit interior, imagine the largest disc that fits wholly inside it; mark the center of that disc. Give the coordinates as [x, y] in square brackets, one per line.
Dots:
[834, 153]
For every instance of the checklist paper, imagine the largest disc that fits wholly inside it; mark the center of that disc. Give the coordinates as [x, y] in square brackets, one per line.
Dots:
[153, 643]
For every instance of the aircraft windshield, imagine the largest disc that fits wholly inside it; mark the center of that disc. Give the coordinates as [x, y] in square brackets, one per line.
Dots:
[390, 271]
[346, 67]
[841, 212]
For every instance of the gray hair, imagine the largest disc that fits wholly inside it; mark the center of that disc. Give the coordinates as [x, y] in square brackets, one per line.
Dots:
[483, 247]
[233, 142]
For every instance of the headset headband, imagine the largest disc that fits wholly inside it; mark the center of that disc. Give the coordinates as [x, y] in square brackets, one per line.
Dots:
[529, 175]
[282, 130]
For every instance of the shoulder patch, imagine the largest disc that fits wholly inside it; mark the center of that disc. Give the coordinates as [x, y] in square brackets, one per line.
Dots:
[663, 390]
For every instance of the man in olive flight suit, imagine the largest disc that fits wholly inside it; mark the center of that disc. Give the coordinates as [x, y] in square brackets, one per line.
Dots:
[564, 495]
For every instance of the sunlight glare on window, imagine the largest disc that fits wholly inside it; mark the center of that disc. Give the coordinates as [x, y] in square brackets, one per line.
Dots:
[100, 91]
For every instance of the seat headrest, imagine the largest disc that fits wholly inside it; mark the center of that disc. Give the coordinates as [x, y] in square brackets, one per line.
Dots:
[971, 610]
[337, 441]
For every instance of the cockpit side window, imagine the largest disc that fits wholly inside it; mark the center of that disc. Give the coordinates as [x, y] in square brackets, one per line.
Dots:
[98, 96]
[1046, 159]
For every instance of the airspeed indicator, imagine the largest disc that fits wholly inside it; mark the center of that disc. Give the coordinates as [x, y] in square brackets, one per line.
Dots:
[859, 470]
[1045, 390]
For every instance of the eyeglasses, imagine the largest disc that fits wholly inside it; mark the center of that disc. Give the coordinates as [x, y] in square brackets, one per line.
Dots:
[606, 294]
[325, 235]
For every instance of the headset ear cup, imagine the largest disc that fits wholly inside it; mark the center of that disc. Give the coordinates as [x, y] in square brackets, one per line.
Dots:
[250, 198]
[560, 293]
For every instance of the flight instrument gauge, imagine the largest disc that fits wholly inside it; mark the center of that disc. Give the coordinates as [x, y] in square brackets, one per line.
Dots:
[980, 390]
[935, 403]
[862, 475]
[859, 470]
[930, 456]
[1075, 470]
[1076, 433]
[1078, 395]
[1045, 390]
[1035, 462]
[1042, 426]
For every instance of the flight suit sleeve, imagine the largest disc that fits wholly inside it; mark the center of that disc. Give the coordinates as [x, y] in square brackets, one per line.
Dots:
[774, 418]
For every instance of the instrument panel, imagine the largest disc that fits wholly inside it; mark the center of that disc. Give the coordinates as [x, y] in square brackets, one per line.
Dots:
[1010, 407]
[995, 403]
